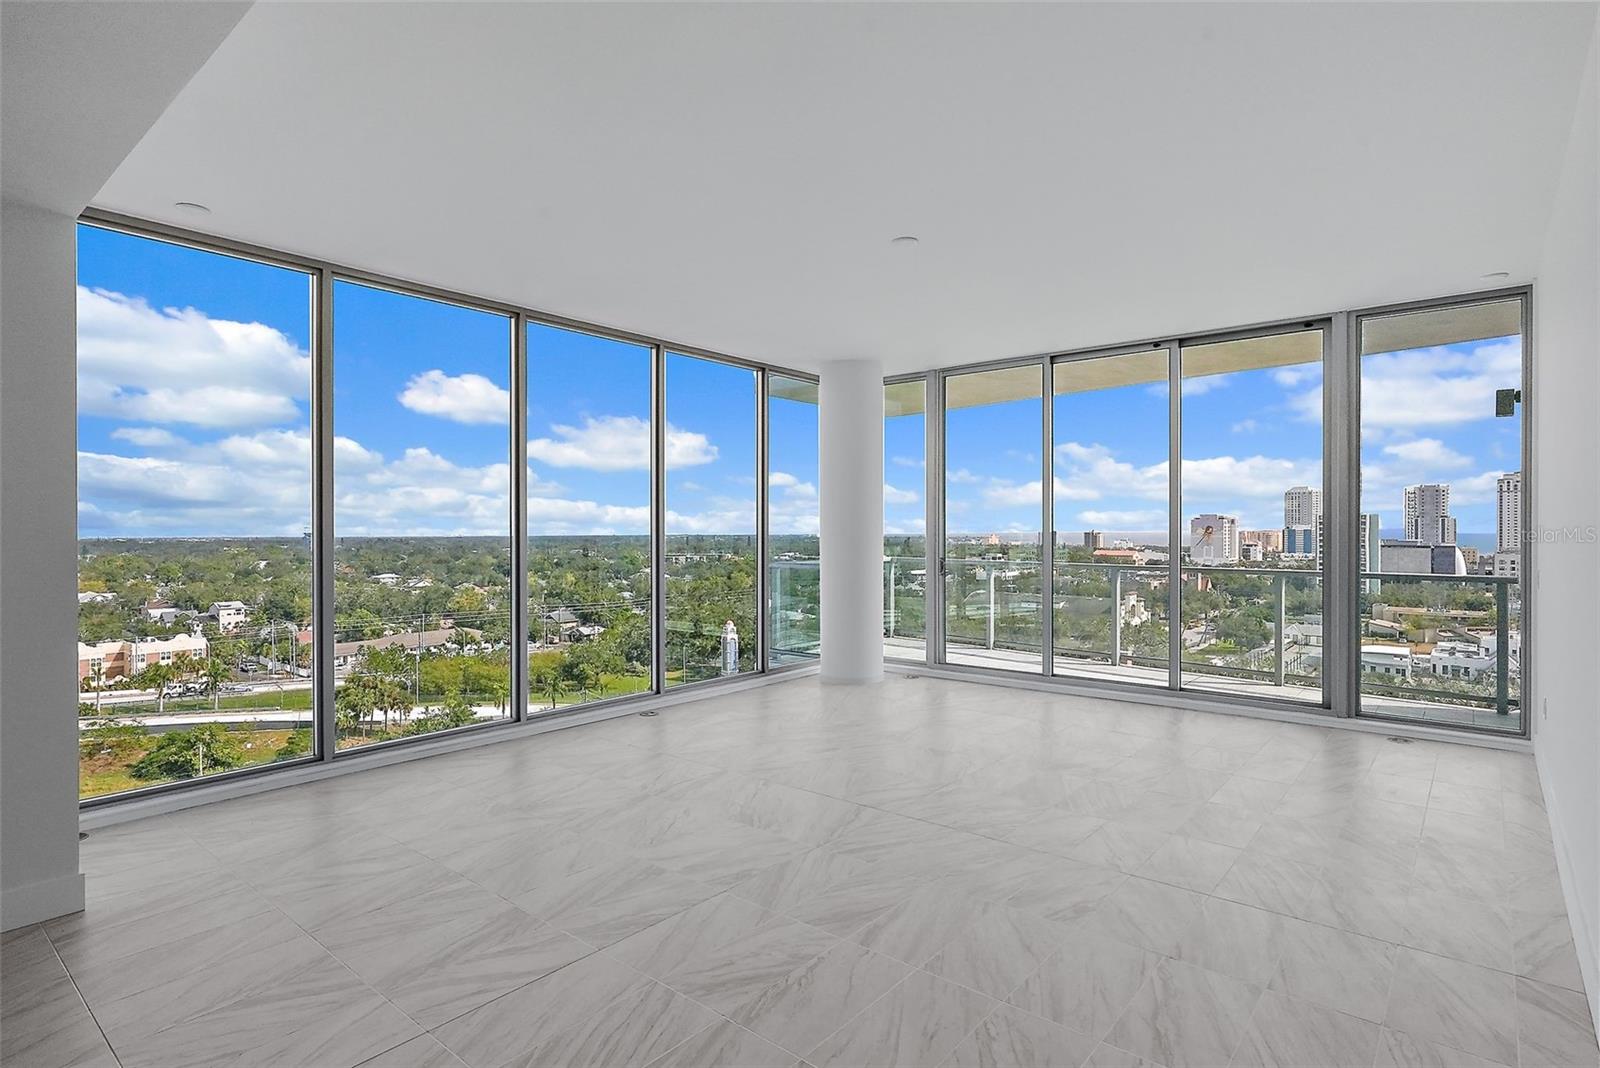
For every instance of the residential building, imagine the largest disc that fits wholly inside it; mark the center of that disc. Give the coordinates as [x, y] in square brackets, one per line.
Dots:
[1214, 539]
[1271, 541]
[1369, 550]
[1508, 512]
[124, 659]
[1426, 507]
[627, 315]
[230, 616]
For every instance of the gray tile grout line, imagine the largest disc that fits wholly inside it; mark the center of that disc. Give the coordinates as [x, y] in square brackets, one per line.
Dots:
[81, 999]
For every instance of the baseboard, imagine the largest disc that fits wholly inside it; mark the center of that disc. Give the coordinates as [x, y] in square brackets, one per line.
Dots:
[37, 902]
[1585, 935]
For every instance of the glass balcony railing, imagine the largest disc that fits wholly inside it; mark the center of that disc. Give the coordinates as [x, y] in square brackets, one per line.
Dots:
[1439, 648]
[1442, 648]
[794, 622]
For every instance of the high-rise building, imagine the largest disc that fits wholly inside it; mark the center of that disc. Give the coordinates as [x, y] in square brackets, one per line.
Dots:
[1094, 539]
[1300, 541]
[1214, 539]
[1427, 506]
[1508, 508]
[1302, 507]
[1369, 549]
[1447, 530]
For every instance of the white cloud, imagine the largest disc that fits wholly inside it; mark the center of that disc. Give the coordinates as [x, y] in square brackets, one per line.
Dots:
[891, 495]
[181, 366]
[148, 437]
[1429, 453]
[1124, 520]
[617, 443]
[961, 476]
[1244, 426]
[907, 461]
[1217, 479]
[468, 398]
[1433, 387]
[1092, 471]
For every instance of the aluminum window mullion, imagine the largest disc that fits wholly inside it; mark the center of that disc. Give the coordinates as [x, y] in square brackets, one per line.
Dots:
[1341, 565]
[763, 473]
[519, 518]
[1174, 516]
[325, 723]
[658, 518]
[1047, 526]
[933, 523]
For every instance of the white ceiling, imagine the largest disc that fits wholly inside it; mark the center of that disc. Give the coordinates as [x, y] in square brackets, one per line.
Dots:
[731, 176]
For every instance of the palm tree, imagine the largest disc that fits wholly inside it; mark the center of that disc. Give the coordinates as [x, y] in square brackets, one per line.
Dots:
[216, 671]
[97, 672]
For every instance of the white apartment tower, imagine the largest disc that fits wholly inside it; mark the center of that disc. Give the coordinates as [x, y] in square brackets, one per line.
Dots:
[1427, 508]
[1302, 507]
[1508, 502]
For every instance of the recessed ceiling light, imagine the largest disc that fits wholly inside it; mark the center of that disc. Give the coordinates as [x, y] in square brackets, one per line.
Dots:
[1495, 276]
[904, 241]
[189, 207]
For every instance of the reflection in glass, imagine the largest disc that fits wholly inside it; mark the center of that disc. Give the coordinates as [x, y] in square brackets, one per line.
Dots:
[793, 565]
[905, 563]
[422, 515]
[1252, 517]
[194, 496]
[1111, 556]
[994, 503]
[711, 519]
[589, 578]
[1441, 524]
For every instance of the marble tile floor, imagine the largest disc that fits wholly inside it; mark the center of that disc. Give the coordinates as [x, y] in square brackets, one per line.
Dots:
[918, 872]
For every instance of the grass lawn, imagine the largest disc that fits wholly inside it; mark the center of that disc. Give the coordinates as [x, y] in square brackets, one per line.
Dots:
[108, 773]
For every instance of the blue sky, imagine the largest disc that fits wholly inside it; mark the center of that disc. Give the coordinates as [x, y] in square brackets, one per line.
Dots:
[1247, 437]
[194, 385]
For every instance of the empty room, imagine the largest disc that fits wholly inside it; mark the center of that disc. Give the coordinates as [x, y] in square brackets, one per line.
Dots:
[799, 535]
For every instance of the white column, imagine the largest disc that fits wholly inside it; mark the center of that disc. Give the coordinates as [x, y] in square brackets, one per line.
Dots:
[38, 568]
[851, 454]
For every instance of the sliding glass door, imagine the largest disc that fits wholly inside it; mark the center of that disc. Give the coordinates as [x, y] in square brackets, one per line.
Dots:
[994, 593]
[1110, 420]
[1251, 526]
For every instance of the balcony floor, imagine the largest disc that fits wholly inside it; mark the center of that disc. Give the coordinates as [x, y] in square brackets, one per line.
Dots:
[914, 872]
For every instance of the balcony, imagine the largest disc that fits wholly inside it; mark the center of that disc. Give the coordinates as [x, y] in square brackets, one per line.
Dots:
[1436, 648]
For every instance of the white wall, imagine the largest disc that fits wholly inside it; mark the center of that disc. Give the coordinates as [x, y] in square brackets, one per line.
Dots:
[38, 566]
[1566, 513]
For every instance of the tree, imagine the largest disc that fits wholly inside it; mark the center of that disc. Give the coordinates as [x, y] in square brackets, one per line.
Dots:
[200, 750]
[545, 675]
[298, 743]
[97, 673]
[156, 677]
[115, 738]
[215, 671]
[365, 694]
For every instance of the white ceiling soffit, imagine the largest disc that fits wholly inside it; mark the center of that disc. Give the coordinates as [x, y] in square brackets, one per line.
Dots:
[80, 83]
[732, 176]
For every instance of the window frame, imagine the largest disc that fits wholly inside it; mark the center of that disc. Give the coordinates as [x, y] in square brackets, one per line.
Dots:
[322, 275]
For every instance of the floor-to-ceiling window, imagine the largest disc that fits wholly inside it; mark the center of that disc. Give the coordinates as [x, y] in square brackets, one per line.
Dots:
[1110, 424]
[905, 548]
[1251, 526]
[1441, 523]
[712, 474]
[994, 504]
[589, 491]
[422, 514]
[794, 578]
[194, 499]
